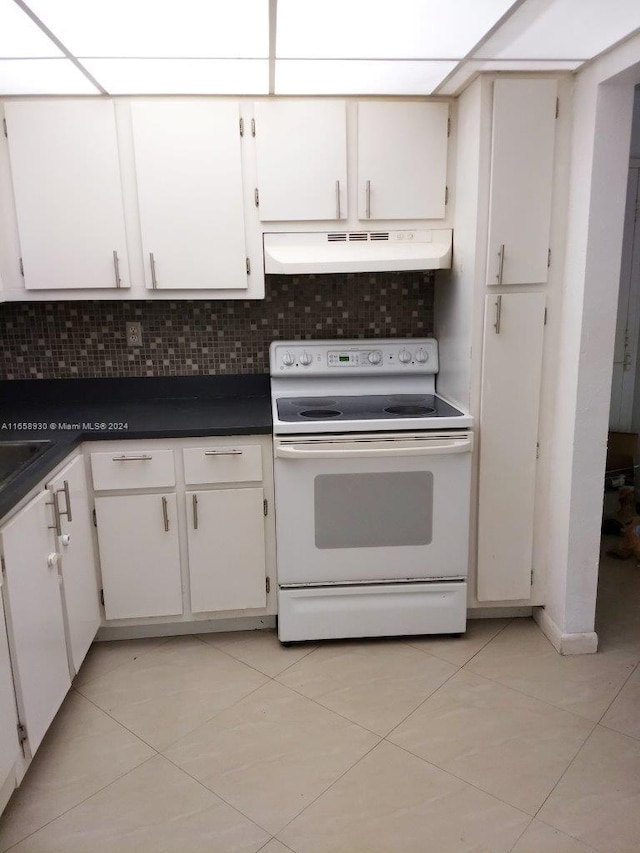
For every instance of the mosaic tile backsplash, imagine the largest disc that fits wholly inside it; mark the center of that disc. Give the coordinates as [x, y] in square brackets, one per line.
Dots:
[61, 340]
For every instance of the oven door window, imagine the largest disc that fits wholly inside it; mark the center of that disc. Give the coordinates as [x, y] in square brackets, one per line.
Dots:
[373, 510]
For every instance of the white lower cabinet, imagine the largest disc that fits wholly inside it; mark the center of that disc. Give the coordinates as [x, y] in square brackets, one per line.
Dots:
[139, 555]
[226, 539]
[35, 617]
[75, 545]
[9, 743]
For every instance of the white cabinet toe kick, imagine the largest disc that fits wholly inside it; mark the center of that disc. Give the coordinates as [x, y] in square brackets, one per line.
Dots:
[323, 612]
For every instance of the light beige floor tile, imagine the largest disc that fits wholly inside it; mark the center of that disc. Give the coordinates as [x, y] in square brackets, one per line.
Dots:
[375, 684]
[168, 692]
[154, 809]
[271, 754]
[274, 846]
[540, 838]
[624, 713]
[459, 650]
[598, 798]
[393, 802]
[522, 658]
[508, 744]
[106, 656]
[83, 751]
[260, 649]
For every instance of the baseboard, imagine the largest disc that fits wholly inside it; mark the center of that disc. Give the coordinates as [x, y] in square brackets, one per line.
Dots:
[175, 629]
[565, 644]
[497, 612]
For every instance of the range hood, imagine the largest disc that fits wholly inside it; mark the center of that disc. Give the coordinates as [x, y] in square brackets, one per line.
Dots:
[357, 251]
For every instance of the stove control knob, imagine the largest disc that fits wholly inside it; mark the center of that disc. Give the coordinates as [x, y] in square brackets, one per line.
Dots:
[288, 359]
[404, 356]
[305, 359]
[422, 356]
[375, 357]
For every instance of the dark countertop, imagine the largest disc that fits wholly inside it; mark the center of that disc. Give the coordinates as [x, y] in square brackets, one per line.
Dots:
[67, 412]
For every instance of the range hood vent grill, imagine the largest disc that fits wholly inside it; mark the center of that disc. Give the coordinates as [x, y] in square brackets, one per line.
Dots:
[321, 252]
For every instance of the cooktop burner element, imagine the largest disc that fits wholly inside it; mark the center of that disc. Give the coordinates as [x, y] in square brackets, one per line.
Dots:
[410, 411]
[320, 414]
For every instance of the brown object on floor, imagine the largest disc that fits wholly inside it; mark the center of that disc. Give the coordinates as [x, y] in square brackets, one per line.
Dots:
[630, 545]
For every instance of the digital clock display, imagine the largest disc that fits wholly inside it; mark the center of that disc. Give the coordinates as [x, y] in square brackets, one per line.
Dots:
[344, 358]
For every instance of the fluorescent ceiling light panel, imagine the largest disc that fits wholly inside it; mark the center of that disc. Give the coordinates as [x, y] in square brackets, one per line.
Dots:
[20, 36]
[181, 76]
[383, 29]
[562, 29]
[359, 77]
[43, 77]
[159, 28]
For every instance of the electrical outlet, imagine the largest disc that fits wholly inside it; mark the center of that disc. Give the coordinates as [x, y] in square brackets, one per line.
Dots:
[134, 334]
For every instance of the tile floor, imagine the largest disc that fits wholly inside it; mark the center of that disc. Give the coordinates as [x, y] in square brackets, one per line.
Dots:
[231, 743]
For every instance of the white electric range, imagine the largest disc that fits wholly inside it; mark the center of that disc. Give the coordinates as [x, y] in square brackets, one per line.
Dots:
[372, 480]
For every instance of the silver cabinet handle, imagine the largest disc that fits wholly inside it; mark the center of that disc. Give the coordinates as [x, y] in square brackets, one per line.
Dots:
[116, 267]
[233, 452]
[338, 200]
[56, 514]
[135, 457]
[368, 201]
[67, 500]
[500, 264]
[165, 514]
[152, 263]
[496, 325]
[195, 512]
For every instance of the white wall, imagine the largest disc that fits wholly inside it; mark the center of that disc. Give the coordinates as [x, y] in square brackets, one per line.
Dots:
[599, 159]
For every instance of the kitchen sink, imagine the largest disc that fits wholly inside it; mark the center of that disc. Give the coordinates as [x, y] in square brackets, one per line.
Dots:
[15, 456]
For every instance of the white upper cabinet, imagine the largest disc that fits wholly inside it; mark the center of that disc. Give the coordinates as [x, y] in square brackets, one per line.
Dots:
[301, 150]
[522, 151]
[402, 159]
[189, 175]
[66, 180]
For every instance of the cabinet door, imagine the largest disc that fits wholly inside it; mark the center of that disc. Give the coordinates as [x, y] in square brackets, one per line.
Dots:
[523, 140]
[511, 374]
[9, 745]
[402, 160]
[79, 584]
[36, 623]
[226, 549]
[139, 555]
[66, 179]
[190, 193]
[301, 149]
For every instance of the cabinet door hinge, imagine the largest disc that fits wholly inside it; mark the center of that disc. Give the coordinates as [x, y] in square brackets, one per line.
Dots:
[95, 517]
[531, 577]
[256, 197]
[268, 584]
[545, 316]
[21, 268]
[22, 734]
[4, 127]
[102, 597]
[248, 266]
[557, 107]
[3, 567]
[449, 127]
[241, 126]
[548, 258]
[446, 195]
[253, 127]
[537, 450]
[265, 506]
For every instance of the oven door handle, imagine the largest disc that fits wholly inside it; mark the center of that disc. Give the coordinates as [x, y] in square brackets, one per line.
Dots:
[341, 451]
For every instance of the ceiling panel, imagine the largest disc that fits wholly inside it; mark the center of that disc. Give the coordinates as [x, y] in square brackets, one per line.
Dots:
[181, 76]
[20, 36]
[359, 77]
[43, 77]
[383, 29]
[562, 29]
[158, 28]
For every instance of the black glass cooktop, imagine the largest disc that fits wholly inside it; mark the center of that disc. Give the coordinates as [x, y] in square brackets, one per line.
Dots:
[364, 408]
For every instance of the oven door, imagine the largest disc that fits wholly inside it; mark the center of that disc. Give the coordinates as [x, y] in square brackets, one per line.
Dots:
[363, 508]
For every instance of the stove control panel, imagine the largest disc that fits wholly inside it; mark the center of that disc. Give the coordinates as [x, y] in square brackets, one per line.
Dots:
[325, 358]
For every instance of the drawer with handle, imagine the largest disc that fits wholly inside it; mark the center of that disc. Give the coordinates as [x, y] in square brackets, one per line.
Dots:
[235, 463]
[133, 469]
